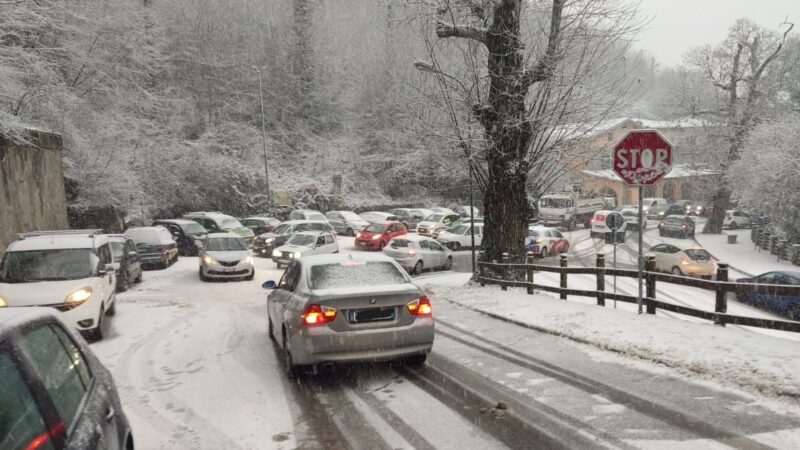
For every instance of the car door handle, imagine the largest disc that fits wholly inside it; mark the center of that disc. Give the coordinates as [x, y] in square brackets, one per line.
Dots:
[110, 414]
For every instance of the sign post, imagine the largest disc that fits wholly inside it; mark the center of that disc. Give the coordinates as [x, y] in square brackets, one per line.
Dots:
[615, 221]
[640, 159]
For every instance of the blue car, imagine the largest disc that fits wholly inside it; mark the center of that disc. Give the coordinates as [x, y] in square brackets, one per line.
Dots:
[782, 304]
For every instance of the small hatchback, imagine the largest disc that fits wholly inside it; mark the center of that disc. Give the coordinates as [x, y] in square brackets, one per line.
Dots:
[156, 246]
[54, 392]
[694, 261]
[678, 226]
[417, 253]
[435, 222]
[224, 256]
[305, 243]
[377, 235]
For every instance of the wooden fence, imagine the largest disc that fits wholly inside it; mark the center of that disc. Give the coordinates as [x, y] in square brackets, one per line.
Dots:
[522, 274]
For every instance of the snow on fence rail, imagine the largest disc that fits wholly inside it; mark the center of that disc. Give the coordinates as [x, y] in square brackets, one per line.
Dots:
[508, 274]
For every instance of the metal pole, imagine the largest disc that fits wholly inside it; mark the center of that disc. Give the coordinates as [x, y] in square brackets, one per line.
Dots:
[264, 138]
[615, 274]
[472, 216]
[641, 259]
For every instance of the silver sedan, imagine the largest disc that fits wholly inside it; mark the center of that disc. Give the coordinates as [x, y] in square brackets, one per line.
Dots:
[340, 308]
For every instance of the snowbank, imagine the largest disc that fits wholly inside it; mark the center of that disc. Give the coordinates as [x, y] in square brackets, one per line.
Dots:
[739, 357]
[742, 256]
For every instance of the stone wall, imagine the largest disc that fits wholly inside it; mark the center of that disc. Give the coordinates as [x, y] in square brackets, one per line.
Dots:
[31, 186]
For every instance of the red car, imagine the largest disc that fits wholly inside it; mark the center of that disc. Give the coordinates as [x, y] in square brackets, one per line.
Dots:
[377, 235]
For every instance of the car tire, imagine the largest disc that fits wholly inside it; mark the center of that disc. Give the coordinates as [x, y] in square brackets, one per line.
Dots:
[292, 370]
[448, 264]
[251, 276]
[270, 328]
[416, 360]
[112, 311]
[456, 246]
[122, 286]
[733, 226]
[138, 278]
[202, 275]
[97, 333]
[676, 271]
[417, 268]
[350, 232]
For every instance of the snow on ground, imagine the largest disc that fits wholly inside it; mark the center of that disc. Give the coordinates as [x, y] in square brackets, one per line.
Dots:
[730, 355]
[743, 255]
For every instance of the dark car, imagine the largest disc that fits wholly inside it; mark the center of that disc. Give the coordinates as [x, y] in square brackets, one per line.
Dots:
[265, 243]
[658, 212]
[186, 232]
[788, 305]
[677, 225]
[130, 267]
[260, 225]
[54, 392]
[156, 246]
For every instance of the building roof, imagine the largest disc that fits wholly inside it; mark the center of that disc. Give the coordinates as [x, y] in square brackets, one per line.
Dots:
[679, 171]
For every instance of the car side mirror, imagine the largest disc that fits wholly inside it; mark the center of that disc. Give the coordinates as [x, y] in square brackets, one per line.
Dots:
[198, 244]
[269, 285]
[132, 254]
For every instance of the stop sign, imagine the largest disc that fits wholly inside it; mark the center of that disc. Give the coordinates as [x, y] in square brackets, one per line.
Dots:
[642, 157]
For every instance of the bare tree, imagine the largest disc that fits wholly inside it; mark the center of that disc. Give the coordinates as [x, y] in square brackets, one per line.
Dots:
[737, 67]
[553, 71]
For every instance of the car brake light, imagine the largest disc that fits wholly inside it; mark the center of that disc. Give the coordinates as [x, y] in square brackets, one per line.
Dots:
[539, 241]
[318, 315]
[41, 439]
[421, 307]
[601, 218]
[412, 252]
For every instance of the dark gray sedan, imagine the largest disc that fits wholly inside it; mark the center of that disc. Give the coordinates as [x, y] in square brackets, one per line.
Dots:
[340, 308]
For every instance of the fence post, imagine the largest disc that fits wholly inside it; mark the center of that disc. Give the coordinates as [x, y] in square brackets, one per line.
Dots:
[783, 249]
[796, 254]
[754, 234]
[764, 244]
[650, 283]
[481, 272]
[721, 305]
[563, 263]
[601, 279]
[773, 245]
[506, 272]
[529, 271]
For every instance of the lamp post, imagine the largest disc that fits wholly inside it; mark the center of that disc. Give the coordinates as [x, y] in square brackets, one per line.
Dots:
[264, 135]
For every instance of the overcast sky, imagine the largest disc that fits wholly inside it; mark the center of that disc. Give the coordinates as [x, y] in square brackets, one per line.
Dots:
[678, 25]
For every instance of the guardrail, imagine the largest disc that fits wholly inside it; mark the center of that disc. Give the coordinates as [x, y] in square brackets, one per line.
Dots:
[522, 274]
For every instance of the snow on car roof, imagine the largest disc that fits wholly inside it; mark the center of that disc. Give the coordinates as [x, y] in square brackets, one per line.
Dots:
[223, 235]
[416, 238]
[56, 242]
[335, 258]
[177, 221]
[295, 222]
[311, 232]
[12, 318]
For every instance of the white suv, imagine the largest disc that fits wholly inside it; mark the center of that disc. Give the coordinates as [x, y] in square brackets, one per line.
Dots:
[71, 271]
[735, 219]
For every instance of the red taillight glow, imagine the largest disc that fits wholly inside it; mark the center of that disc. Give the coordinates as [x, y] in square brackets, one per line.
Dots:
[412, 252]
[601, 218]
[421, 307]
[39, 440]
[318, 315]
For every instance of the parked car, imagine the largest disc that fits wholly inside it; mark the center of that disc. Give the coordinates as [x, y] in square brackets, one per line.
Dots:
[377, 216]
[460, 236]
[265, 243]
[124, 252]
[788, 305]
[224, 256]
[650, 202]
[186, 233]
[307, 214]
[676, 225]
[305, 243]
[260, 225]
[342, 308]
[436, 221]
[216, 222]
[54, 392]
[441, 210]
[417, 253]
[660, 211]
[346, 223]
[454, 224]
[695, 261]
[631, 216]
[736, 219]
[599, 227]
[72, 271]
[545, 241]
[464, 211]
[377, 235]
[410, 217]
[155, 245]
[682, 203]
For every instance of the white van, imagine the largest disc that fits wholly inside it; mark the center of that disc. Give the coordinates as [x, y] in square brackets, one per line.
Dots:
[599, 227]
[71, 271]
[649, 202]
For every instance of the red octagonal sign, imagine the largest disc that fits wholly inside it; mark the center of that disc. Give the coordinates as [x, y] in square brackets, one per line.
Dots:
[642, 157]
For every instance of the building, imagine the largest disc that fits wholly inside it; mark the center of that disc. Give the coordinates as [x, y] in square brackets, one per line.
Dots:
[683, 182]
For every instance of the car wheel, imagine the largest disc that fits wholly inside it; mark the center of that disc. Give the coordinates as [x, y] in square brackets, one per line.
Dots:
[676, 271]
[202, 275]
[456, 246]
[380, 246]
[733, 226]
[448, 264]
[97, 333]
[544, 253]
[251, 276]
[417, 268]
[113, 309]
[292, 371]
[123, 283]
[350, 232]
[416, 360]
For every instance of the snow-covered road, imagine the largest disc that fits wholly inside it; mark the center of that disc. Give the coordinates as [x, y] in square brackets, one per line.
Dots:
[196, 369]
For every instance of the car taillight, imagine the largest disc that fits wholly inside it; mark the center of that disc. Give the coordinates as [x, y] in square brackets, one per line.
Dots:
[41, 439]
[318, 315]
[601, 218]
[421, 307]
[412, 252]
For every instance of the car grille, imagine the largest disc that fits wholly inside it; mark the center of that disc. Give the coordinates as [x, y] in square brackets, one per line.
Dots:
[238, 272]
[228, 263]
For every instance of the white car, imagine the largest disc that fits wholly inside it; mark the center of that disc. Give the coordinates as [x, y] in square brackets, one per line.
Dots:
[599, 227]
[435, 222]
[649, 202]
[378, 216]
[461, 236]
[417, 253]
[224, 256]
[693, 261]
[735, 219]
[307, 214]
[72, 271]
[304, 244]
[441, 210]
[631, 216]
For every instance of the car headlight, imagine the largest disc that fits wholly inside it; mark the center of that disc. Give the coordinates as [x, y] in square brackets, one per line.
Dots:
[276, 253]
[297, 255]
[358, 235]
[3, 303]
[79, 296]
[376, 237]
[269, 240]
[248, 260]
[209, 260]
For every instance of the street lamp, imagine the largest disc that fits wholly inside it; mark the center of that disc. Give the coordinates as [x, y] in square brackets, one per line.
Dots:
[264, 134]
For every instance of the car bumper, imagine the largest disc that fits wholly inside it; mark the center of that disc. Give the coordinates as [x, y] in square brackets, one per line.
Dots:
[316, 345]
[698, 270]
[221, 272]
[156, 258]
[367, 245]
[675, 232]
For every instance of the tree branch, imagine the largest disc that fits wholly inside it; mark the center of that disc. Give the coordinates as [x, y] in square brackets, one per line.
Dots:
[444, 30]
[544, 67]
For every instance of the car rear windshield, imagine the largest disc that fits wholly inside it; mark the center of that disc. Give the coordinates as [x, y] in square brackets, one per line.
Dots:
[401, 243]
[375, 228]
[230, 223]
[145, 236]
[225, 244]
[355, 274]
[698, 254]
[47, 265]
[350, 215]
[193, 228]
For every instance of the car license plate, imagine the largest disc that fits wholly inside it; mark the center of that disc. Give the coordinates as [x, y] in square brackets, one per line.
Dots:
[371, 315]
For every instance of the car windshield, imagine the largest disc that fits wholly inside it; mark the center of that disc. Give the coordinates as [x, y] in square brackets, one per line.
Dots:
[225, 244]
[434, 218]
[301, 239]
[47, 265]
[400, 243]
[674, 220]
[230, 223]
[698, 254]
[349, 274]
[554, 203]
[116, 249]
[193, 228]
[375, 228]
[282, 228]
